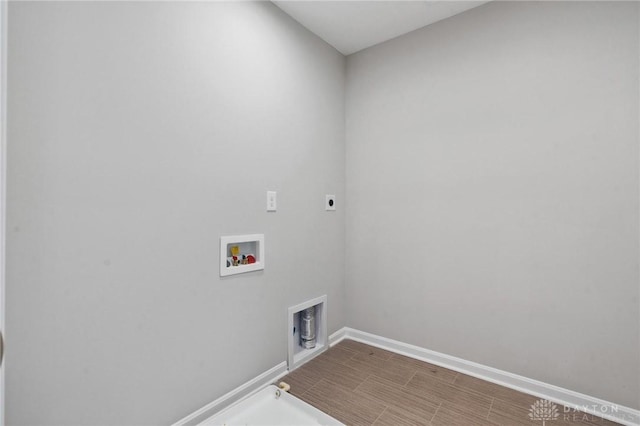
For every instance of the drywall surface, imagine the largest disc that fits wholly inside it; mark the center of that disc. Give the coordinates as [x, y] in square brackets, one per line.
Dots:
[492, 188]
[139, 133]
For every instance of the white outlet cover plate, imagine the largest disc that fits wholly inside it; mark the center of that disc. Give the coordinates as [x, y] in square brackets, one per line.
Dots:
[330, 202]
[272, 201]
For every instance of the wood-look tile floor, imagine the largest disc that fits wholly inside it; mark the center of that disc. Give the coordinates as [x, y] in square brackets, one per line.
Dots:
[363, 385]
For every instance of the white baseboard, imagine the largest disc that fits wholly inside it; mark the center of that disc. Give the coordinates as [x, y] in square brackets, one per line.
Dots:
[574, 400]
[338, 336]
[241, 392]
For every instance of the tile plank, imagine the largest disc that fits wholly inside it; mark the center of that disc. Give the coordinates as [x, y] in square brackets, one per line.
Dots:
[400, 402]
[464, 399]
[453, 415]
[379, 367]
[496, 391]
[338, 354]
[363, 348]
[344, 401]
[505, 413]
[394, 417]
[425, 367]
[337, 372]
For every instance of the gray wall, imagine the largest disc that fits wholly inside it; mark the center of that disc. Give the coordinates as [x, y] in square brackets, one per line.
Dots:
[492, 189]
[139, 133]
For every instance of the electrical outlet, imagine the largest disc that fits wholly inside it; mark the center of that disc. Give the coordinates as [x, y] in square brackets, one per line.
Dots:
[330, 203]
[271, 201]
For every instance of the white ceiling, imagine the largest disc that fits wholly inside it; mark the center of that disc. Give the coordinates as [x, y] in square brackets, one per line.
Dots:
[350, 26]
